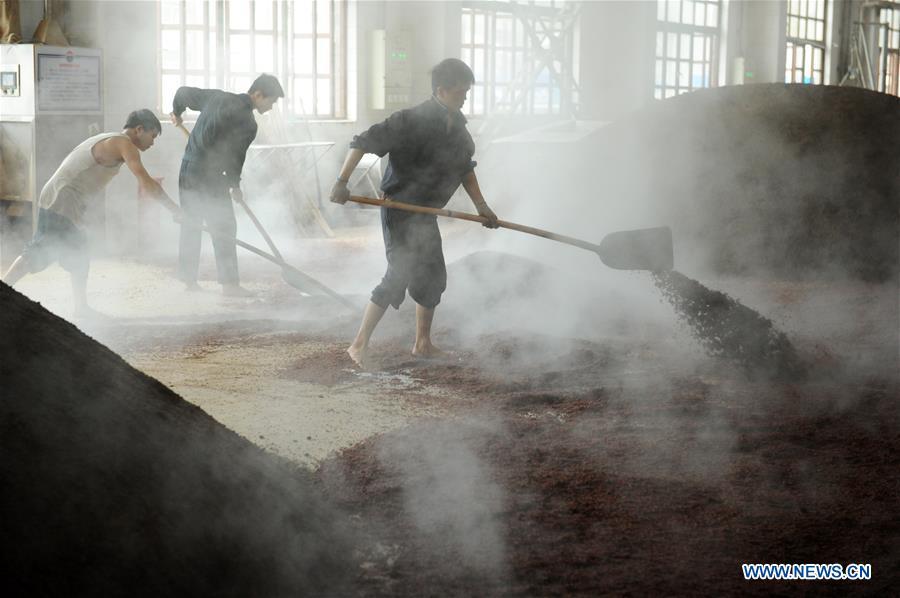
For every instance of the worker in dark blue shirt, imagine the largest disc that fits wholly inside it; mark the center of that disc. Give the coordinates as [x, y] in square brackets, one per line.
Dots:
[211, 169]
[430, 154]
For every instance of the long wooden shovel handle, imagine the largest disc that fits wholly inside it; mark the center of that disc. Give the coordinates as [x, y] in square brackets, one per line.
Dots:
[250, 213]
[399, 205]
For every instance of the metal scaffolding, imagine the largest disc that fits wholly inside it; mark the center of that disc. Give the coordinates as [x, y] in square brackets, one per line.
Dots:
[551, 32]
[874, 54]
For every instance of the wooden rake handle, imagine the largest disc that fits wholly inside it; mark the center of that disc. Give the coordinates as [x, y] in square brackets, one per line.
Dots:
[399, 205]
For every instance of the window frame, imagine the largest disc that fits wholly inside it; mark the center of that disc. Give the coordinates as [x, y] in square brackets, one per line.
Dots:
[207, 29]
[337, 60]
[521, 54]
[802, 50]
[709, 35]
[889, 52]
[216, 70]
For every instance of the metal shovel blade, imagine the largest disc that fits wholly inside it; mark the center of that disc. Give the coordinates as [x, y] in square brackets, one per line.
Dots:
[299, 280]
[311, 286]
[643, 249]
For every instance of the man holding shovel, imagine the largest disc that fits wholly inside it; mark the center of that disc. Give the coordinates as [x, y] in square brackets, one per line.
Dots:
[211, 171]
[61, 232]
[430, 155]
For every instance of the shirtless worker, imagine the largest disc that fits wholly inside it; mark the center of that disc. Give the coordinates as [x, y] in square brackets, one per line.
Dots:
[211, 169]
[430, 155]
[61, 233]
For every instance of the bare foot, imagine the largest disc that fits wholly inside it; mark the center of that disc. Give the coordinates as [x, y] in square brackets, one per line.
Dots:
[358, 355]
[428, 351]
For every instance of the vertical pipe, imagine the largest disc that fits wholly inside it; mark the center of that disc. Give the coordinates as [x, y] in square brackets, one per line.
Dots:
[182, 41]
[870, 16]
[315, 57]
[252, 40]
[220, 44]
[882, 79]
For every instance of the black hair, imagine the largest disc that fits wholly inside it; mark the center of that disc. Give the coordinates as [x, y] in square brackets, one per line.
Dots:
[268, 85]
[144, 118]
[451, 72]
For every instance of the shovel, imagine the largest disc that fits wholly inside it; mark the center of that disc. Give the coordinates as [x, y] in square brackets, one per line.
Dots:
[250, 213]
[643, 249]
[291, 275]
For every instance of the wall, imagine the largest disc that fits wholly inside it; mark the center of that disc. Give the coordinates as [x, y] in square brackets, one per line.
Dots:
[758, 35]
[615, 53]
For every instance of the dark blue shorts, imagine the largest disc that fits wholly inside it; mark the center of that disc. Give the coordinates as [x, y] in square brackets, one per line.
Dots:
[57, 239]
[415, 257]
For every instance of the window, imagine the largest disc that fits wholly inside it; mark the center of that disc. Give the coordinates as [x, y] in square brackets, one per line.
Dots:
[805, 56]
[687, 44]
[522, 56]
[889, 50]
[317, 42]
[227, 44]
[187, 47]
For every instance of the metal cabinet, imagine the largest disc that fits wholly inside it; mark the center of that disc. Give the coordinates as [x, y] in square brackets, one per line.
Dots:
[51, 99]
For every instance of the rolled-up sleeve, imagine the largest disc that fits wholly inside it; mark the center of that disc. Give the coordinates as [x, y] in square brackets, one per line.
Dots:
[381, 138]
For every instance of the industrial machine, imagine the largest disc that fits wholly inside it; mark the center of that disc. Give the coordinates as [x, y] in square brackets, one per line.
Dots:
[51, 100]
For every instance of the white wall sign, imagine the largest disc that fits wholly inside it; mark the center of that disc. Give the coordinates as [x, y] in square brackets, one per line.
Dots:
[68, 82]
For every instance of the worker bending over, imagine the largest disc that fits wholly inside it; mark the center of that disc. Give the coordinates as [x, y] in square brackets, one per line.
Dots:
[430, 154]
[61, 232]
[211, 170]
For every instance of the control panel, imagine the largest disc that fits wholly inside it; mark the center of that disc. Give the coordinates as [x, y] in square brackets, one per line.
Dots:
[10, 79]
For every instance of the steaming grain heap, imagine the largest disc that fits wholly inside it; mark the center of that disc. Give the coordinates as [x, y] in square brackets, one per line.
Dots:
[783, 179]
[774, 179]
[113, 485]
[731, 330]
[786, 179]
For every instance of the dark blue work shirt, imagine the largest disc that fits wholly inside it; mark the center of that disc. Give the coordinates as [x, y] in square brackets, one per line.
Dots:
[427, 162]
[219, 141]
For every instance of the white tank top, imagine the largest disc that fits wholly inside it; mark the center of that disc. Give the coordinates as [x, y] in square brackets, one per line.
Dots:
[81, 177]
